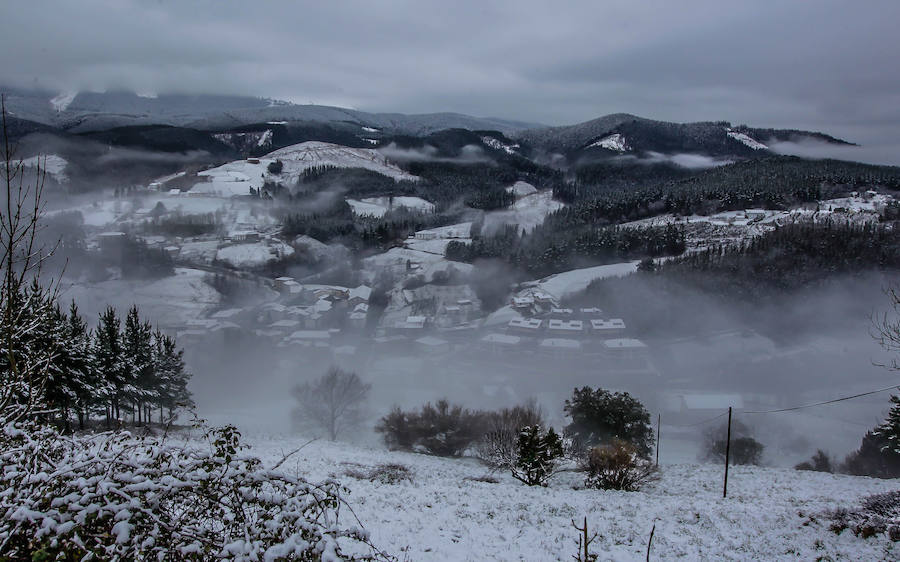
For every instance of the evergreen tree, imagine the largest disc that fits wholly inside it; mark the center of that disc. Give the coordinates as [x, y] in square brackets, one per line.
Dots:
[536, 455]
[80, 363]
[889, 431]
[110, 362]
[140, 385]
[171, 378]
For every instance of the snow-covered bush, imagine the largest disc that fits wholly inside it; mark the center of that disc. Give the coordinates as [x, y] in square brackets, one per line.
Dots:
[438, 429]
[618, 466]
[497, 447]
[879, 513]
[820, 462]
[115, 496]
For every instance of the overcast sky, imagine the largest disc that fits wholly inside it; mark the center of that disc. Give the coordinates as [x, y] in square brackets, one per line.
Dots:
[824, 65]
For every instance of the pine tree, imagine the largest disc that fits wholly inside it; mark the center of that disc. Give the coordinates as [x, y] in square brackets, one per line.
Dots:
[80, 363]
[140, 386]
[536, 455]
[110, 363]
[889, 431]
[171, 378]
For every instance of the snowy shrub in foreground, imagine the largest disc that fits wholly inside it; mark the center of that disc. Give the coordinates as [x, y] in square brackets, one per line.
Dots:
[113, 496]
[497, 447]
[879, 513]
[618, 466]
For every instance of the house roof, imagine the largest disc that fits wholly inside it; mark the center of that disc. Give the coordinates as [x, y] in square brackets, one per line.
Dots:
[611, 324]
[527, 323]
[431, 341]
[566, 325]
[560, 343]
[310, 335]
[503, 339]
[624, 343]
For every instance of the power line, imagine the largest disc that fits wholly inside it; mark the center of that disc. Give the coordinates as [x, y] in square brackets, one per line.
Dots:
[699, 422]
[821, 403]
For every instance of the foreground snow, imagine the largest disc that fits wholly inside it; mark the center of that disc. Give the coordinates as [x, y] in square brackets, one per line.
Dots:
[442, 514]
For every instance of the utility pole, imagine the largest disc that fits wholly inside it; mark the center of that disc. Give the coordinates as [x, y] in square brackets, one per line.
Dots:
[658, 418]
[727, 455]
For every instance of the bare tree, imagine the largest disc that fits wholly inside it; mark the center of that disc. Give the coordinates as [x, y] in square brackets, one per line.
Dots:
[332, 402]
[24, 302]
[886, 328]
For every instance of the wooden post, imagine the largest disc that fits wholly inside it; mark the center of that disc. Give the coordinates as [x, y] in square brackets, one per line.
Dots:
[649, 542]
[658, 418]
[727, 455]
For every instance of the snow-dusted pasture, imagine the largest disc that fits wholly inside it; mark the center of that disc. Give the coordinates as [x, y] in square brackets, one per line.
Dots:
[169, 302]
[53, 164]
[238, 177]
[527, 212]
[561, 285]
[254, 254]
[443, 514]
[378, 206]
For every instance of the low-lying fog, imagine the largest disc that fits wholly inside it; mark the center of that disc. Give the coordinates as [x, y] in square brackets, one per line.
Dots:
[813, 348]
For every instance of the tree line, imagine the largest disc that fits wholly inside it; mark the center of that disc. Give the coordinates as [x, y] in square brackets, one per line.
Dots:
[109, 372]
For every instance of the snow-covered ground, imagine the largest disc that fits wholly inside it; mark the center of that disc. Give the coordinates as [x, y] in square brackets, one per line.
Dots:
[53, 164]
[168, 302]
[253, 254]
[747, 140]
[238, 177]
[568, 283]
[444, 514]
[614, 142]
[497, 145]
[521, 189]
[435, 240]
[378, 206]
[527, 212]
[63, 100]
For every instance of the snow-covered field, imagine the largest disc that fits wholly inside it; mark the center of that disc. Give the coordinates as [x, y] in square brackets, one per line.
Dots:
[561, 285]
[527, 212]
[612, 142]
[53, 164]
[378, 206]
[238, 177]
[168, 302]
[443, 514]
[254, 254]
[747, 140]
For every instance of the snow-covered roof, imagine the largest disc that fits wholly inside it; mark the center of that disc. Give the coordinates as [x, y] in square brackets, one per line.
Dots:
[526, 323]
[611, 324]
[624, 343]
[560, 343]
[310, 335]
[363, 292]
[503, 339]
[284, 324]
[431, 341]
[566, 325]
[227, 313]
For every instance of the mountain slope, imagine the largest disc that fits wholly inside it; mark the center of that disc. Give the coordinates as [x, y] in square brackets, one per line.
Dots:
[91, 111]
[622, 133]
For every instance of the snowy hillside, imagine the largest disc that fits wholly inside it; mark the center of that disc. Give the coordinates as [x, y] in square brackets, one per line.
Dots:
[614, 142]
[240, 176]
[752, 143]
[443, 513]
[54, 165]
[378, 206]
[527, 212]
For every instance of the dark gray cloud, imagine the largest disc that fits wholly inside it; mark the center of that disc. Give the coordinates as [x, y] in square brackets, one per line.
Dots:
[827, 65]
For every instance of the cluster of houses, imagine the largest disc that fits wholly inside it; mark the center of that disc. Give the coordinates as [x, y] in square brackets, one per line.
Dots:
[561, 332]
[306, 316]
